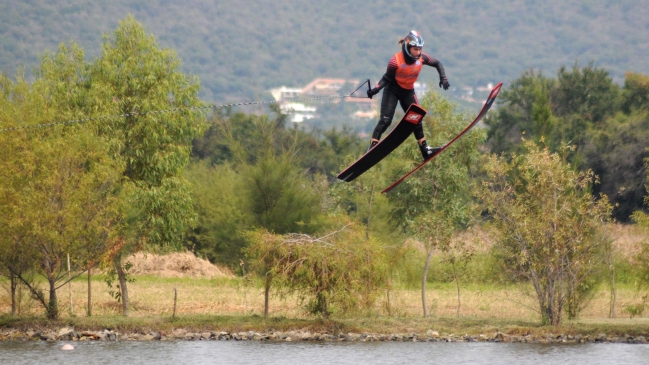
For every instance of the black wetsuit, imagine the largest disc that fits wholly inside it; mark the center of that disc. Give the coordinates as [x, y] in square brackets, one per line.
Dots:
[393, 93]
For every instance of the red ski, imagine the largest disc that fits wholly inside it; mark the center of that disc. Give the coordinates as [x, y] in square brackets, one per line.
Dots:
[483, 112]
[400, 133]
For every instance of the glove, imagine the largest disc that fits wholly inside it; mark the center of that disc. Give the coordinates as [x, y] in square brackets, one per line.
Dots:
[372, 92]
[443, 83]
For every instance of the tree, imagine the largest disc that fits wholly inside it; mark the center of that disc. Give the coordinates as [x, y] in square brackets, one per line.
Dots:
[57, 182]
[616, 153]
[440, 195]
[339, 269]
[642, 219]
[588, 92]
[280, 197]
[221, 213]
[518, 106]
[549, 226]
[635, 94]
[135, 78]
[555, 111]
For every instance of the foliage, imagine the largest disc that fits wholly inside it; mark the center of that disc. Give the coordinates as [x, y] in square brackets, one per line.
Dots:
[240, 138]
[642, 256]
[635, 94]
[478, 42]
[444, 186]
[221, 213]
[280, 197]
[616, 152]
[133, 78]
[60, 193]
[548, 226]
[338, 270]
[583, 108]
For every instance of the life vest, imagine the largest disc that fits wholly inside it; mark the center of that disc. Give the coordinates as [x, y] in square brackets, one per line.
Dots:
[407, 74]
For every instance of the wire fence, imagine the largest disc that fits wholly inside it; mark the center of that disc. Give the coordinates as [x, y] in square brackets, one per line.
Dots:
[171, 110]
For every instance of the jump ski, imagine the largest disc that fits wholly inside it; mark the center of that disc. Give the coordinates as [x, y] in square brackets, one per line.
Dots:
[400, 133]
[490, 100]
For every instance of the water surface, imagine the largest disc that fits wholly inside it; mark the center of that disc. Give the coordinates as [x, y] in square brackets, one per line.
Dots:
[256, 353]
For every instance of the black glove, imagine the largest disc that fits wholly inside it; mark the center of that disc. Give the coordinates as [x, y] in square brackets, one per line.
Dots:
[443, 83]
[372, 92]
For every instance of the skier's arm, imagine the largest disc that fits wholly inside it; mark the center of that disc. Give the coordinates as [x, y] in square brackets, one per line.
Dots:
[443, 80]
[388, 77]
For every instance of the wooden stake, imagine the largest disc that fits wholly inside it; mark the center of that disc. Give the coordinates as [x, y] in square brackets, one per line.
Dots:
[175, 300]
[69, 284]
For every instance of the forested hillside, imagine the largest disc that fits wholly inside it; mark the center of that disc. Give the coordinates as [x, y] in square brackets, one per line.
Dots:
[240, 49]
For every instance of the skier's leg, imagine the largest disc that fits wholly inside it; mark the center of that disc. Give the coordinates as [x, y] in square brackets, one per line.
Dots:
[388, 106]
[426, 151]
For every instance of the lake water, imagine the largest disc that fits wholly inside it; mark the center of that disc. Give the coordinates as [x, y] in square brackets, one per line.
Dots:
[256, 353]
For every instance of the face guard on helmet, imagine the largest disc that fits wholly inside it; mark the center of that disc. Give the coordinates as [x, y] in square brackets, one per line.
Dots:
[413, 39]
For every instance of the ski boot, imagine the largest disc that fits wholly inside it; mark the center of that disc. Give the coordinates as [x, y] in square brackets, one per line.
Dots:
[372, 144]
[427, 151]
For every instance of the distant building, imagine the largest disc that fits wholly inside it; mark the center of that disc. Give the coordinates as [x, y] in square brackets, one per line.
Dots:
[366, 108]
[324, 87]
[485, 88]
[285, 93]
[298, 112]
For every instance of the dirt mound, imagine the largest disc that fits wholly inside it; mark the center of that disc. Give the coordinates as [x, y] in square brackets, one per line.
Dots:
[173, 265]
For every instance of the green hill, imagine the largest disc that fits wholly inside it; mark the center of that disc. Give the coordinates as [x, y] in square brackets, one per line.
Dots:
[240, 49]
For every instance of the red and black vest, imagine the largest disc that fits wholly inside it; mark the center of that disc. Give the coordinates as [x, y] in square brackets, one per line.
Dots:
[407, 74]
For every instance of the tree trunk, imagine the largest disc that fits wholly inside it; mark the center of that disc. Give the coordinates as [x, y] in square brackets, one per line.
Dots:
[53, 305]
[325, 307]
[266, 293]
[424, 279]
[457, 283]
[611, 313]
[121, 275]
[369, 213]
[89, 311]
[14, 284]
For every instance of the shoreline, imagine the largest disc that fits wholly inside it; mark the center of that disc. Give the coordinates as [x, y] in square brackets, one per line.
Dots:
[70, 334]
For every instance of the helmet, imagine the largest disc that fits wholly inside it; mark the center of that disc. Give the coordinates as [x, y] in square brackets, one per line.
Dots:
[413, 39]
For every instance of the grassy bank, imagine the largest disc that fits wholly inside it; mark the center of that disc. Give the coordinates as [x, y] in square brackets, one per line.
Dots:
[233, 304]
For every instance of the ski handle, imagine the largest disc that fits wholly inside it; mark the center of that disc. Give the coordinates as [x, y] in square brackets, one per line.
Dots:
[369, 87]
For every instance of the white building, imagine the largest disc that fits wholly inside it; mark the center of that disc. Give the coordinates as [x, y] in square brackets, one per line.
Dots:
[298, 112]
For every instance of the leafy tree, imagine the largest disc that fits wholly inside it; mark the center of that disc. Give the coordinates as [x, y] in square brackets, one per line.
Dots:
[438, 196]
[588, 92]
[135, 77]
[549, 226]
[14, 259]
[616, 153]
[339, 269]
[59, 181]
[221, 213]
[522, 112]
[642, 219]
[280, 197]
[635, 94]
[555, 111]
[237, 138]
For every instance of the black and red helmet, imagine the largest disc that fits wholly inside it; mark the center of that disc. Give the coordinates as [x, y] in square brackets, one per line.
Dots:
[413, 39]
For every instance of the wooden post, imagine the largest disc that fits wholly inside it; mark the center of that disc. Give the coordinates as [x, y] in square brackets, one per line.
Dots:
[175, 301]
[89, 311]
[69, 284]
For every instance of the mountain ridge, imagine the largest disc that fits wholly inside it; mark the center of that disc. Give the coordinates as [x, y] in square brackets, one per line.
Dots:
[240, 50]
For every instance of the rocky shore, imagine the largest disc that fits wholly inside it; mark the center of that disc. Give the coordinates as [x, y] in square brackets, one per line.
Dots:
[70, 334]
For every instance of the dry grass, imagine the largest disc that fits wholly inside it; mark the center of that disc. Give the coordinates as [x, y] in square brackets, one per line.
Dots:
[204, 289]
[175, 265]
[234, 297]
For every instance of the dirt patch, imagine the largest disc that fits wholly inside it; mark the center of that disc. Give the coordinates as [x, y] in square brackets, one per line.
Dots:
[628, 238]
[174, 265]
